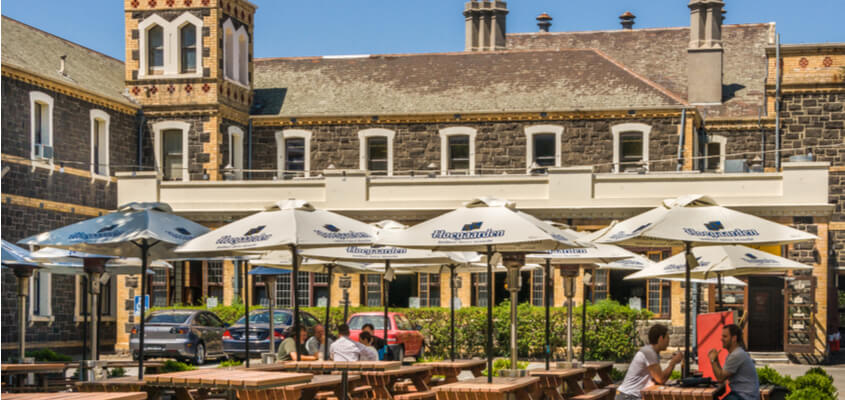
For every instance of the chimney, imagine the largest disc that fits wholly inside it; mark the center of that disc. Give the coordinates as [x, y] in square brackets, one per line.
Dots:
[485, 25]
[62, 65]
[544, 21]
[627, 20]
[705, 52]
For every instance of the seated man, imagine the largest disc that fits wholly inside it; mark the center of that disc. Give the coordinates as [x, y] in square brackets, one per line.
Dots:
[346, 349]
[317, 344]
[645, 369]
[378, 342]
[739, 370]
[287, 349]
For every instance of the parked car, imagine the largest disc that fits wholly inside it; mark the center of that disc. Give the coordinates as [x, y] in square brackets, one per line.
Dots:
[234, 338]
[192, 335]
[403, 338]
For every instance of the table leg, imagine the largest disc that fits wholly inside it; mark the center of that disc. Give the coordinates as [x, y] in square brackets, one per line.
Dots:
[420, 381]
[573, 385]
[183, 394]
[589, 385]
[476, 372]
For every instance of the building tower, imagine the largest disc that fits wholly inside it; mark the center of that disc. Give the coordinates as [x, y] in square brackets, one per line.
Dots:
[189, 65]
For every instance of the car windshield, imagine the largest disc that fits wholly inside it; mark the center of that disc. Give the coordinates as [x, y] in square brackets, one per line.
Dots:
[279, 318]
[169, 318]
[358, 321]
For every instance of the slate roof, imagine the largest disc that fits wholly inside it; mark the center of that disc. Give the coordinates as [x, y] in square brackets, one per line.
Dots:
[660, 54]
[39, 52]
[502, 81]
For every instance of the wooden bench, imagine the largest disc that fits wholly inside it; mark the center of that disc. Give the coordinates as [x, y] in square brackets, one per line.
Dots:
[772, 392]
[427, 395]
[595, 394]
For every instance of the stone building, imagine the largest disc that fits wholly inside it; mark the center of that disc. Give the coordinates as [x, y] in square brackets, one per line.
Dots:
[652, 113]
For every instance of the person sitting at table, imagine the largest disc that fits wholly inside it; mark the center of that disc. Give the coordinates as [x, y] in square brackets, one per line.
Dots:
[739, 370]
[317, 344]
[645, 369]
[346, 349]
[379, 343]
[287, 349]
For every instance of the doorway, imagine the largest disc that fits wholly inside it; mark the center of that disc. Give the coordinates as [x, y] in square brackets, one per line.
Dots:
[403, 287]
[765, 314]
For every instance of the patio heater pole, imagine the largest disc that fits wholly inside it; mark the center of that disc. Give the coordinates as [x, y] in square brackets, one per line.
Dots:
[584, 318]
[87, 299]
[547, 303]
[386, 299]
[452, 308]
[489, 314]
[295, 258]
[271, 302]
[330, 269]
[719, 282]
[242, 266]
[687, 292]
[145, 248]
[23, 274]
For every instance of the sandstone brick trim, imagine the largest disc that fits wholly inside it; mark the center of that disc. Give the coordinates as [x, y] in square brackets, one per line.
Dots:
[836, 226]
[55, 168]
[52, 205]
[67, 89]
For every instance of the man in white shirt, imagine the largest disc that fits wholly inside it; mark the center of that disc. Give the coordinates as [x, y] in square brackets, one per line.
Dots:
[645, 369]
[346, 349]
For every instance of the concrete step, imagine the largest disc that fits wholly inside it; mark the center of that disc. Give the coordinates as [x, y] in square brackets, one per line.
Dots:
[768, 357]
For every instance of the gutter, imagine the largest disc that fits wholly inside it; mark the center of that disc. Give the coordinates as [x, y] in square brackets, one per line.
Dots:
[777, 102]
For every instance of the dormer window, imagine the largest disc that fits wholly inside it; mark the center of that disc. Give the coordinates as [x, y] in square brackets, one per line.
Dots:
[155, 57]
[188, 44]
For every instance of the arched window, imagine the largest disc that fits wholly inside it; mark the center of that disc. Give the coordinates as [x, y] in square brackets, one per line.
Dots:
[630, 146]
[188, 48]
[99, 143]
[229, 49]
[155, 48]
[457, 151]
[543, 145]
[376, 151]
[236, 151]
[243, 57]
[171, 149]
[41, 123]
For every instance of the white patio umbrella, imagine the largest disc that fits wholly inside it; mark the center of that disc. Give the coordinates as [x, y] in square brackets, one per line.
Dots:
[279, 262]
[485, 225]
[286, 225]
[148, 230]
[389, 255]
[600, 253]
[696, 220]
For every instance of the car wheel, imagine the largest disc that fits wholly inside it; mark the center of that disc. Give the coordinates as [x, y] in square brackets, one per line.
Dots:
[199, 355]
[420, 354]
[400, 354]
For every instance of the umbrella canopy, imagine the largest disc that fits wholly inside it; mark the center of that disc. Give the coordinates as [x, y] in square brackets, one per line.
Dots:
[115, 233]
[281, 260]
[479, 224]
[732, 260]
[697, 220]
[64, 261]
[600, 254]
[16, 255]
[282, 225]
[635, 263]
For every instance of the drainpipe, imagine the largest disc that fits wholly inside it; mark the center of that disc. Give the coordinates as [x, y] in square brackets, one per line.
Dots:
[777, 103]
[141, 122]
[762, 137]
[249, 150]
[682, 140]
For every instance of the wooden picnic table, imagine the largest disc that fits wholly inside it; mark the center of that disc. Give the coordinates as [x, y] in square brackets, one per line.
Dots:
[663, 392]
[330, 366]
[151, 367]
[555, 382]
[303, 391]
[39, 370]
[451, 369]
[383, 381]
[501, 389]
[76, 396]
[600, 368]
[222, 379]
[123, 384]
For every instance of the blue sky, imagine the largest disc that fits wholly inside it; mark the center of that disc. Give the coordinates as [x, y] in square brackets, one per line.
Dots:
[288, 28]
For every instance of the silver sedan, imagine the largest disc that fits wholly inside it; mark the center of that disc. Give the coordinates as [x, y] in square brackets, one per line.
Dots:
[192, 335]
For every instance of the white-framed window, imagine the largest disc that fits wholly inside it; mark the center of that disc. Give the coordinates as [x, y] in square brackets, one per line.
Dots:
[108, 298]
[236, 151]
[714, 153]
[171, 149]
[457, 150]
[543, 145]
[41, 123]
[630, 146]
[40, 296]
[376, 150]
[170, 48]
[99, 143]
[235, 53]
[293, 153]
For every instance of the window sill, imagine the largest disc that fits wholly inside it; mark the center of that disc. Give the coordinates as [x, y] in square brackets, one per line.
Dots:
[99, 177]
[170, 76]
[237, 83]
[41, 318]
[43, 163]
[104, 318]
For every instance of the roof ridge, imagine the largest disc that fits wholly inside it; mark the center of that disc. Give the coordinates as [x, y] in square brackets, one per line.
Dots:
[647, 81]
[450, 53]
[7, 18]
[667, 28]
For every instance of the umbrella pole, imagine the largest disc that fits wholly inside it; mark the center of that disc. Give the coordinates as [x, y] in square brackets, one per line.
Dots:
[242, 266]
[84, 329]
[271, 300]
[386, 299]
[452, 309]
[547, 303]
[145, 246]
[489, 315]
[719, 282]
[584, 320]
[295, 253]
[330, 269]
[92, 306]
[687, 316]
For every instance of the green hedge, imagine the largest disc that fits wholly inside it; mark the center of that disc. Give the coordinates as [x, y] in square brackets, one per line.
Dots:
[611, 328]
[815, 384]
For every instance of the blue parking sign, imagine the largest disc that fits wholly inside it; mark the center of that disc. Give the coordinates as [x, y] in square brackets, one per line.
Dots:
[138, 304]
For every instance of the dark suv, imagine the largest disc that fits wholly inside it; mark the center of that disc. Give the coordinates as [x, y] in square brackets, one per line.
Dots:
[194, 335]
[234, 339]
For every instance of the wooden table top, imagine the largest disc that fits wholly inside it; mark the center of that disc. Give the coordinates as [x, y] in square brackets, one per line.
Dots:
[462, 364]
[677, 392]
[77, 396]
[341, 365]
[598, 364]
[227, 378]
[37, 367]
[558, 372]
[499, 384]
[406, 370]
[323, 381]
